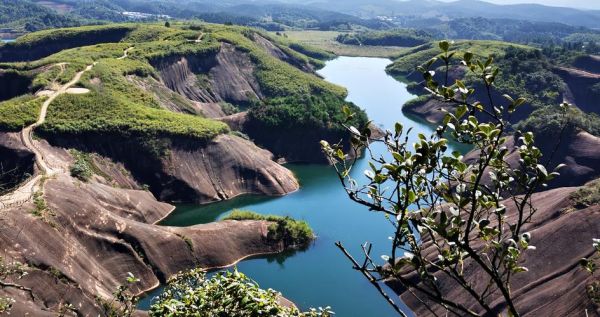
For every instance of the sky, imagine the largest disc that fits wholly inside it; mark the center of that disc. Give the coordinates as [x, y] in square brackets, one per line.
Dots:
[586, 4]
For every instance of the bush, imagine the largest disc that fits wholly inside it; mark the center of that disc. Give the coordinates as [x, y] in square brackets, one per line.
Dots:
[293, 233]
[226, 294]
[82, 168]
[588, 195]
[548, 121]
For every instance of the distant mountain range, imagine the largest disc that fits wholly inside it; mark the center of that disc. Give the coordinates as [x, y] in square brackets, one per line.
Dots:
[19, 16]
[462, 8]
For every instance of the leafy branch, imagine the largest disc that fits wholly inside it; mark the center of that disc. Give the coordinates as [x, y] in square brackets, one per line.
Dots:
[446, 212]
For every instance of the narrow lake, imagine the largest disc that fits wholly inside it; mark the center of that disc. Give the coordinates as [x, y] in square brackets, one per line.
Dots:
[321, 275]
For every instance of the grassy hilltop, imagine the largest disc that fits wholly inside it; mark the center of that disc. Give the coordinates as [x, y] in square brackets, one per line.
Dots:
[293, 95]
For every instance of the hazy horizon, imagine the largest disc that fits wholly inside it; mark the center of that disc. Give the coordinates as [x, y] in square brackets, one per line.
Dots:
[578, 4]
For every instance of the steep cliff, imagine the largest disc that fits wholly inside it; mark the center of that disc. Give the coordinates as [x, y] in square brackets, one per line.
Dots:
[226, 77]
[188, 171]
[583, 84]
[41, 44]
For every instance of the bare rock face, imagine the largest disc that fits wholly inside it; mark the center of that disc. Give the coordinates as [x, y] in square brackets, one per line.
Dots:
[555, 284]
[578, 150]
[579, 82]
[90, 235]
[188, 171]
[16, 161]
[227, 167]
[228, 76]
[233, 79]
[432, 111]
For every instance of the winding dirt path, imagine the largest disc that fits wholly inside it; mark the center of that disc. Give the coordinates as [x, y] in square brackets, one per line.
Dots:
[125, 53]
[25, 192]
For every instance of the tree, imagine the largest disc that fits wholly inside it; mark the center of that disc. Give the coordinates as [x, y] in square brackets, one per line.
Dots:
[167, 24]
[459, 208]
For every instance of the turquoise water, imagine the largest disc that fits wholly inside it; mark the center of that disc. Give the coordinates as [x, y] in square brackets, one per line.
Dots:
[8, 40]
[321, 275]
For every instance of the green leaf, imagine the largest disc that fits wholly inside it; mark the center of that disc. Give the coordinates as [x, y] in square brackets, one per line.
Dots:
[468, 57]
[461, 111]
[398, 128]
[542, 169]
[444, 46]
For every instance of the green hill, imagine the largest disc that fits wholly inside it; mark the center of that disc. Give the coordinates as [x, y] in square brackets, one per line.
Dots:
[119, 102]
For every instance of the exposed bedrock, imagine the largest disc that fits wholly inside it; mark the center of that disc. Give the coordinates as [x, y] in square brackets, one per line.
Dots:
[580, 83]
[90, 235]
[433, 110]
[227, 76]
[228, 166]
[192, 171]
[555, 284]
[578, 150]
[16, 161]
[588, 63]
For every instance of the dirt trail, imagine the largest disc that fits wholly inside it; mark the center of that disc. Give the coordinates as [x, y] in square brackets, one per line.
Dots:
[198, 39]
[125, 53]
[25, 192]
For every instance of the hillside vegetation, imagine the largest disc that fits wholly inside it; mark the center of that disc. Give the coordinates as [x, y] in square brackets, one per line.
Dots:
[294, 97]
[399, 37]
[19, 112]
[525, 71]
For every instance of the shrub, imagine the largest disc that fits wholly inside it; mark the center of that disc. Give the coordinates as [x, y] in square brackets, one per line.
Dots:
[82, 167]
[547, 121]
[226, 294]
[588, 195]
[293, 233]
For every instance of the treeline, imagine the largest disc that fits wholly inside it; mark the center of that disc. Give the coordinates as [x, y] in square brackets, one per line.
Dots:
[26, 16]
[398, 37]
[508, 30]
[20, 16]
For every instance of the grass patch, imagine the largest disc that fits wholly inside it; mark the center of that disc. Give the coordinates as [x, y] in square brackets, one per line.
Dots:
[44, 43]
[115, 105]
[188, 242]
[17, 113]
[326, 41]
[105, 112]
[292, 232]
[76, 34]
